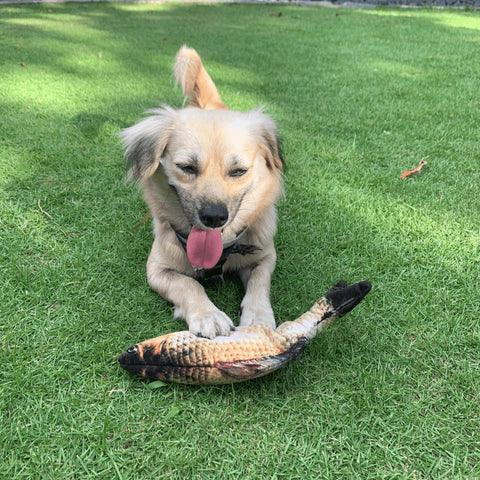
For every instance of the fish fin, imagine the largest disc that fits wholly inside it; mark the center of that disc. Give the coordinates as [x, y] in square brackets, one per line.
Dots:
[246, 369]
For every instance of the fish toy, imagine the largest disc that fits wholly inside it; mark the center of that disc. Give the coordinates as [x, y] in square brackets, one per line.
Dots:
[247, 353]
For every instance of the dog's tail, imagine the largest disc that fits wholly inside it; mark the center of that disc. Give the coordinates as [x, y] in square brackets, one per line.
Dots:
[195, 81]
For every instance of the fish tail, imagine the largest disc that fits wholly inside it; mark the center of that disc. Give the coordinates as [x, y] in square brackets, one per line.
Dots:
[343, 297]
[338, 301]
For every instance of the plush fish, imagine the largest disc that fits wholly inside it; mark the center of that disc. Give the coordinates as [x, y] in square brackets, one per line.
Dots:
[249, 352]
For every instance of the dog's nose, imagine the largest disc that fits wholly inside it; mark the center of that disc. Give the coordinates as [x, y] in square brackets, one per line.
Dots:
[213, 215]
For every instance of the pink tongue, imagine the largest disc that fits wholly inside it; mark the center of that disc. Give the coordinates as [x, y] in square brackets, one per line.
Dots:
[204, 248]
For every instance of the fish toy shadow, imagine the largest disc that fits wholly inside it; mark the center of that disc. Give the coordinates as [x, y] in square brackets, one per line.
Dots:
[249, 352]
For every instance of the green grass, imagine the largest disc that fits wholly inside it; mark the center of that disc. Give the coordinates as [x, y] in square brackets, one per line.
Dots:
[391, 391]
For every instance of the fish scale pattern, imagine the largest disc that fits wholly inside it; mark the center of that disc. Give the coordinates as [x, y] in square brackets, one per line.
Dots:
[249, 352]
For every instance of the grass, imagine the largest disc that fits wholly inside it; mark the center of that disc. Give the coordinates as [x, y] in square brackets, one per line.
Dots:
[391, 391]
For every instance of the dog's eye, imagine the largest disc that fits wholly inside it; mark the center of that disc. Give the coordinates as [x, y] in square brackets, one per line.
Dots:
[190, 169]
[238, 172]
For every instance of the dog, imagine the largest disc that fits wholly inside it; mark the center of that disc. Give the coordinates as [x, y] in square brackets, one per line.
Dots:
[211, 178]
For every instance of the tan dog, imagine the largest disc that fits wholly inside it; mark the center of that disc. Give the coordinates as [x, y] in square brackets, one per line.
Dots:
[211, 177]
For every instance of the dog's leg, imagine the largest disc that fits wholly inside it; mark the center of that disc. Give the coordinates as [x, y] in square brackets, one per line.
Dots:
[256, 308]
[189, 298]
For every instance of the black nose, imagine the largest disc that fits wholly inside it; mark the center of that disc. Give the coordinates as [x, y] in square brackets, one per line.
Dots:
[213, 215]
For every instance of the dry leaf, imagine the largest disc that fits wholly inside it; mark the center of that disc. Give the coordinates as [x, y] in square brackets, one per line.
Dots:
[406, 173]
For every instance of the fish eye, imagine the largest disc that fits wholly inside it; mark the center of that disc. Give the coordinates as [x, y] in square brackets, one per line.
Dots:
[133, 349]
[188, 169]
[237, 172]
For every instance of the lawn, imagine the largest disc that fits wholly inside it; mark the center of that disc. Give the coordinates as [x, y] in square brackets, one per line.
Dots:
[390, 391]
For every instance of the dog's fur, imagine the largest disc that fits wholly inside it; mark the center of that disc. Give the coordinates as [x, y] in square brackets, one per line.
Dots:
[221, 144]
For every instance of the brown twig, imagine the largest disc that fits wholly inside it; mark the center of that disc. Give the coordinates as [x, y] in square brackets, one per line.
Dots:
[406, 173]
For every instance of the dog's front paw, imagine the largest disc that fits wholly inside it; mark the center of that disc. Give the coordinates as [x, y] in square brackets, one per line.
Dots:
[257, 315]
[210, 324]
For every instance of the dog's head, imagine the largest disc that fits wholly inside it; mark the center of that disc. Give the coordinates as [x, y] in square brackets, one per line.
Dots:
[224, 167]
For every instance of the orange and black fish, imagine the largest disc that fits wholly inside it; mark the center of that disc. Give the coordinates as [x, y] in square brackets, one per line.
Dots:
[249, 352]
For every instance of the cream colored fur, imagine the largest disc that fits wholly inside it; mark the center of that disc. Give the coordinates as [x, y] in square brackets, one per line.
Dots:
[218, 139]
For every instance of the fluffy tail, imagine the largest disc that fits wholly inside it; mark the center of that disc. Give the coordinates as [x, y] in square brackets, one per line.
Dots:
[195, 81]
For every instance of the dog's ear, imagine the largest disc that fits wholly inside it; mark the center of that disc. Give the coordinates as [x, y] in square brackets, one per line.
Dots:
[195, 81]
[146, 141]
[268, 140]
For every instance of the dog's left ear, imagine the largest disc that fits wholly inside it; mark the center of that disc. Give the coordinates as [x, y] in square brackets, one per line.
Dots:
[268, 140]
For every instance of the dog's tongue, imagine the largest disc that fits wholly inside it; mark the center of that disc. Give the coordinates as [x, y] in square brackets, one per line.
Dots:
[204, 248]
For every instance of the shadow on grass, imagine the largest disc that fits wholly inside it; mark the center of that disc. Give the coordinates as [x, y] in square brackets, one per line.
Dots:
[330, 106]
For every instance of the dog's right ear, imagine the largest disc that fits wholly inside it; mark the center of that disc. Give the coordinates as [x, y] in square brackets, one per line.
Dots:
[194, 80]
[146, 141]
